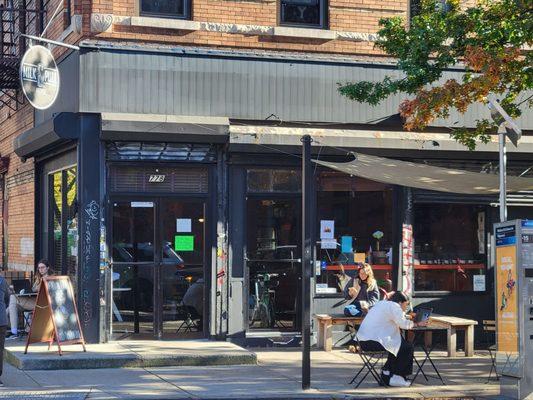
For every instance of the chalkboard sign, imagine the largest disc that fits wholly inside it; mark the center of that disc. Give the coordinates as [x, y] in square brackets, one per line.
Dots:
[55, 317]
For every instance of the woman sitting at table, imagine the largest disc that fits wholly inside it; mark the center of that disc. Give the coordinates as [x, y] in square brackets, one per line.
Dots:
[362, 292]
[26, 303]
[380, 330]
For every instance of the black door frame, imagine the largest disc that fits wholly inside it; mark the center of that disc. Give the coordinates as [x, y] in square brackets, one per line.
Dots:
[156, 198]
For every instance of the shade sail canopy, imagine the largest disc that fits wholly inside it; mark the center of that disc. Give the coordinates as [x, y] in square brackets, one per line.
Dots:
[427, 177]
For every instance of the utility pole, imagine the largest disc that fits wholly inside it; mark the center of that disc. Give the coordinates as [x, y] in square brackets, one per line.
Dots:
[507, 128]
[503, 174]
[307, 259]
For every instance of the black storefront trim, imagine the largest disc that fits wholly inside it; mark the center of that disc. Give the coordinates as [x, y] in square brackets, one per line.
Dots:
[61, 129]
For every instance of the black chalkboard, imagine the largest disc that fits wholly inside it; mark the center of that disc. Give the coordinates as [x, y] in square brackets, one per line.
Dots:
[55, 317]
[63, 308]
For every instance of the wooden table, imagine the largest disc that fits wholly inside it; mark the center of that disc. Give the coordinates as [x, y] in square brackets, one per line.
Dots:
[450, 324]
[454, 324]
[325, 325]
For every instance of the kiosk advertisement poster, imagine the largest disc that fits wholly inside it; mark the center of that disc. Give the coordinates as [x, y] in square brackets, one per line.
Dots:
[506, 300]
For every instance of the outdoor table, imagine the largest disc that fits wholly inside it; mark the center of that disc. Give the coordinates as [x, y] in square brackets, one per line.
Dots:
[454, 324]
[450, 324]
[326, 322]
[420, 340]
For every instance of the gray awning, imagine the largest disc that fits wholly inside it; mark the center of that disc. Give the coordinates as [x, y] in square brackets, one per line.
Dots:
[427, 177]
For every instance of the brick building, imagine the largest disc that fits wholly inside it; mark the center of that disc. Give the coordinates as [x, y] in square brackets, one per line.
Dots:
[165, 177]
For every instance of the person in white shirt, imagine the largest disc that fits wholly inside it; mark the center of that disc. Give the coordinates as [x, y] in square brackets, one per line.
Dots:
[380, 330]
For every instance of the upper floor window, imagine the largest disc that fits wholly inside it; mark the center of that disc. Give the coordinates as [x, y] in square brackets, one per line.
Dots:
[440, 5]
[166, 8]
[310, 13]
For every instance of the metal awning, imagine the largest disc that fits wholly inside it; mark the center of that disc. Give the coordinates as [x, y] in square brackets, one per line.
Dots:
[163, 128]
[60, 129]
[427, 177]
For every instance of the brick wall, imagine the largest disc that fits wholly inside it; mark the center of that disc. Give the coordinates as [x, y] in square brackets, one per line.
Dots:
[360, 16]
[19, 192]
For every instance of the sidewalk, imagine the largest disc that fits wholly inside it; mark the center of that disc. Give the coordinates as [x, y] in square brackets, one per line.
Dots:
[276, 376]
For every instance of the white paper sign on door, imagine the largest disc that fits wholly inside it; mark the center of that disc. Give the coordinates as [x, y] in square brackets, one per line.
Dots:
[327, 229]
[183, 225]
[328, 244]
[479, 283]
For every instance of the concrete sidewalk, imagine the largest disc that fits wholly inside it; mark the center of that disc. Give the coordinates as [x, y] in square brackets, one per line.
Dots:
[127, 354]
[276, 376]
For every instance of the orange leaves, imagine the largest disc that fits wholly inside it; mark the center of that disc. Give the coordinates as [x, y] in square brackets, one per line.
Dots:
[493, 73]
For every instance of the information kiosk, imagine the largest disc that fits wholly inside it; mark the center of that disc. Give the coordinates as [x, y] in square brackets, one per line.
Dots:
[514, 307]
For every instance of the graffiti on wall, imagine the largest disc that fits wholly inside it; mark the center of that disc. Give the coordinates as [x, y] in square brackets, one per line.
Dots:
[92, 209]
[407, 258]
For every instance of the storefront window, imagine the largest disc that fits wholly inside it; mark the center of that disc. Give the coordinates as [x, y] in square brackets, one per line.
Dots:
[450, 247]
[64, 223]
[274, 180]
[354, 225]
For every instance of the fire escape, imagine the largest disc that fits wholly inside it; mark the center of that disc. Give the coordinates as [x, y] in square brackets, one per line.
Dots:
[17, 17]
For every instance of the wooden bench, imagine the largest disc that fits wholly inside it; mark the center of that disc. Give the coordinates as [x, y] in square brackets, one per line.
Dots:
[450, 324]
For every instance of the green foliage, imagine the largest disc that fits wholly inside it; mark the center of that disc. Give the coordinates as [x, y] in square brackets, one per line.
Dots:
[489, 41]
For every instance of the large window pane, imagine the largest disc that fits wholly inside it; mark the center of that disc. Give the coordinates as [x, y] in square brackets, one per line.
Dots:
[354, 209]
[274, 180]
[71, 215]
[182, 275]
[133, 283]
[302, 12]
[450, 246]
[175, 8]
[273, 253]
[133, 231]
[56, 220]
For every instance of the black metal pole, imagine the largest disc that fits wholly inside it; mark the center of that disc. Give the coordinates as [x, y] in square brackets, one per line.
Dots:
[307, 232]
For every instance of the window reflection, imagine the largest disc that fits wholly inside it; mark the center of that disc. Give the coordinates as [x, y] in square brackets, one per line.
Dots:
[449, 246]
[164, 7]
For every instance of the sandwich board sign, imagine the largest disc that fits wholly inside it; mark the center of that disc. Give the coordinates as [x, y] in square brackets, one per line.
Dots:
[55, 317]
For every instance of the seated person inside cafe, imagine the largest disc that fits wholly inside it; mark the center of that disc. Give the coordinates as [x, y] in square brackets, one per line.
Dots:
[25, 301]
[380, 330]
[362, 291]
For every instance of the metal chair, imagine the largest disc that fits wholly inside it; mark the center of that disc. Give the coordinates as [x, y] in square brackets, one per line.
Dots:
[370, 361]
[489, 329]
[190, 318]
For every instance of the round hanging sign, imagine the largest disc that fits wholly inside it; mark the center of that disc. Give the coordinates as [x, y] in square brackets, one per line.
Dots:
[39, 77]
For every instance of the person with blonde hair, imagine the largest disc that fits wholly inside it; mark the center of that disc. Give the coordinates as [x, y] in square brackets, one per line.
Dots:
[361, 291]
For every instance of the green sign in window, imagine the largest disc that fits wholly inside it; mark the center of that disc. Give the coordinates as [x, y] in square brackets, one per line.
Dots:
[184, 243]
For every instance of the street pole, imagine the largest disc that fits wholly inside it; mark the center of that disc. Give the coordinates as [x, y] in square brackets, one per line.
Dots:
[307, 232]
[503, 174]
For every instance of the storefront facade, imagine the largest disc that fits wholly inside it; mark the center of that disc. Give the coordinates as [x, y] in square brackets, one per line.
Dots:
[177, 216]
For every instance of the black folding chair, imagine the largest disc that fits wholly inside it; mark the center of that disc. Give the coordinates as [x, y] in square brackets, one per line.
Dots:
[489, 329]
[370, 359]
[190, 318]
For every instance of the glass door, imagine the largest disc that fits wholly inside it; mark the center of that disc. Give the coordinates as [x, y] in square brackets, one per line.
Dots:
[274, 263]
[183, 300]
[158, 263]
[133, 265]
